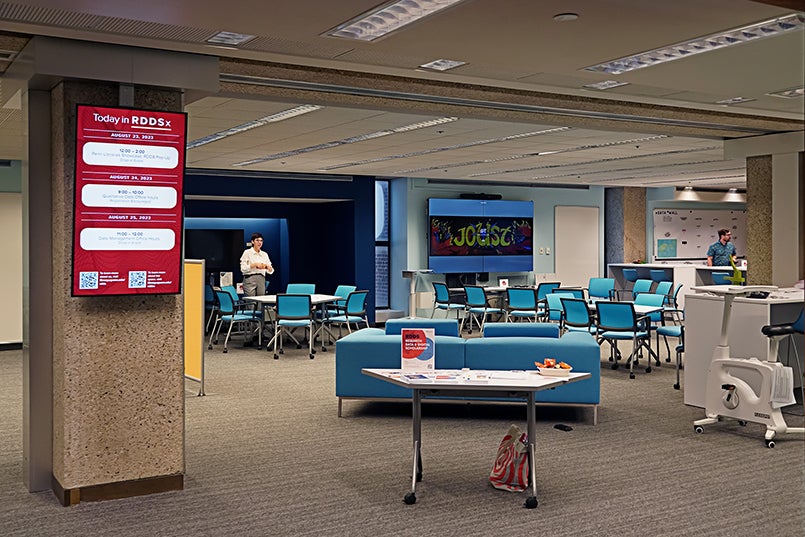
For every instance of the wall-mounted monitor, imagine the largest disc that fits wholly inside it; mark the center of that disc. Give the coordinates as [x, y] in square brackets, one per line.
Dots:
[129, 176]
[469, 235]
[220, 248]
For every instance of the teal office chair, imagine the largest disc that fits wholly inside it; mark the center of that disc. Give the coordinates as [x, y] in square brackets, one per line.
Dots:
[300, 289]
[663, 288]
[443, 301]
[543, 290]
[577, 316]
[630, 275]
[617, 321]
[577, 292]
[601, 288]
[228, 314]
[640, 286]
[720, 278]
[477, 307]
[652, 320]
[354, 313]
[337, 307]
[553, 306]
[521, 304]
[677, 331]
[210, 306]
[293, 311]
[657, 275]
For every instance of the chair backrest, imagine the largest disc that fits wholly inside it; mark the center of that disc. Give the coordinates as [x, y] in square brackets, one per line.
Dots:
[356, 303]
[642, 286]
[521, 298]
[577, 313]
[651, 299]
[674, 299]
[630, 274]
[293, 306]
[663, 288]
[616, 316]
[209, 295]
[601, 287]
[720, 278]
[232, 292]
[442, 292]
[545, 288]
[226, 305]
[344, 290]
[798, 324]
[555, 305]
[476, 296]
[577, 293]
[300, 289]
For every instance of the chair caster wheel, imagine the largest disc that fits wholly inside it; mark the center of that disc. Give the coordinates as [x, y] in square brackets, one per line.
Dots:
[410, 498]
[311, 356]
[324, 349]
[676, 386]
[531, 502]
[631, 375]
[276, 357]
[225, 351]
[614, 366]
[698, 429]
[209, 347]
[742, 423]
[282, 351]
[299, 346]
[648, 369]
[770, 444]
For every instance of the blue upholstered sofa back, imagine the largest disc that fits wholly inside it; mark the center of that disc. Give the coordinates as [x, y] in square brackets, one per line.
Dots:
[443, 327]
[521, 329]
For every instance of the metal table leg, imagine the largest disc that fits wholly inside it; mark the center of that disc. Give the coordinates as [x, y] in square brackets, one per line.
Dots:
[531, 501]
[416, 473]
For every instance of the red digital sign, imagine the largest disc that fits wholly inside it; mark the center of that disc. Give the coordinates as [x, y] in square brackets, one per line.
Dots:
[129, 176]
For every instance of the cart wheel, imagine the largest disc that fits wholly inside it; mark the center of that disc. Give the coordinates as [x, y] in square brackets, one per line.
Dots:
[742, 423]
[770, 444]
[531, 502]
[410, 498]
[699, 429]
[676, 385]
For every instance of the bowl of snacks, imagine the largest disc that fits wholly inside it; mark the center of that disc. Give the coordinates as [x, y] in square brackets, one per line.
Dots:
[549, 367]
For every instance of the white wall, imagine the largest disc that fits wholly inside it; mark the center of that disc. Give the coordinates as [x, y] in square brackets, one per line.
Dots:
[11, 267]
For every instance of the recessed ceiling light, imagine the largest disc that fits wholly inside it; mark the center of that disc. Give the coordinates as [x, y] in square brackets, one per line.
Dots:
[789, 93]
[442, 65]
[606, 84]
[565, 17]
[736, 36]
[735, 100]
[388, 17]
[232, 39]
[243, 127]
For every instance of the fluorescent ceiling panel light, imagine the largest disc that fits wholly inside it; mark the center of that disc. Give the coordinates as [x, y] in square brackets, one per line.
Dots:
[736, 36]
[606, 84]
[789, 93]
[243, 127]
[442, 65]
[388, 18]
[231, 39]
[350, 140]
[735, 100]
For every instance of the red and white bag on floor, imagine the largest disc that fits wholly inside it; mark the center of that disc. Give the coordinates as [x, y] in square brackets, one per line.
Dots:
[510, 471]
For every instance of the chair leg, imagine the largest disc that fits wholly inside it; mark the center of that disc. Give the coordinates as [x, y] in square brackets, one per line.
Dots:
[277, 335]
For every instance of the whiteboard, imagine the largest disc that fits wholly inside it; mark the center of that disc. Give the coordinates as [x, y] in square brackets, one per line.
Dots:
[576, 244]
[688, 233]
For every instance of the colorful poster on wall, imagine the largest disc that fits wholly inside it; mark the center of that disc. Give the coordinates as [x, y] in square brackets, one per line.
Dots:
[418, 349]
[129, 176]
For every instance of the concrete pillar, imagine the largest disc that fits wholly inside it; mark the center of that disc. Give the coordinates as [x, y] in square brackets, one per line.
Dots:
[624, 224]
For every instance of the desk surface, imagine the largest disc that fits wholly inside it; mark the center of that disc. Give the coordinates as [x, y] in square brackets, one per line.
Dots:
[476, 379]
[314, 298]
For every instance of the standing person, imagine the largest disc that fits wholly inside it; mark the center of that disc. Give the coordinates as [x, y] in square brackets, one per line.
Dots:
[721, 252]
[255, 264]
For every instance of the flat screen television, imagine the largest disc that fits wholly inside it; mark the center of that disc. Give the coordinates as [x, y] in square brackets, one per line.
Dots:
[127, 216]
[220, 248]
[468, 235]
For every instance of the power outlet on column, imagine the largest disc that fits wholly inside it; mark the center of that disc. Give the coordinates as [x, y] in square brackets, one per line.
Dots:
[542, 251]
[548, 251]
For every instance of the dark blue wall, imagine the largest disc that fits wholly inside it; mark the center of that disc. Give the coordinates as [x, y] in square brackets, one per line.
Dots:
[328, 242]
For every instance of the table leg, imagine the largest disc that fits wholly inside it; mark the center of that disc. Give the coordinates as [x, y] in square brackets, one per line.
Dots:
[416, 473]
[531, 501]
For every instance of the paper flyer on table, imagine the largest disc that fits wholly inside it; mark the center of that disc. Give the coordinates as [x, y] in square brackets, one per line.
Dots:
[418, 349]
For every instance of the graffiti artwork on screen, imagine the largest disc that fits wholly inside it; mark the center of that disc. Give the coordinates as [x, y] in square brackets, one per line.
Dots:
[456, 235]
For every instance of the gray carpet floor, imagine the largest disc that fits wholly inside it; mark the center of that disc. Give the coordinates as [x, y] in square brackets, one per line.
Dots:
[267, 455]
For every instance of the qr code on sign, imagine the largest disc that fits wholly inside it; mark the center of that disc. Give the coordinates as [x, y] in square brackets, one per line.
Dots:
[88, 280]
[137, 279]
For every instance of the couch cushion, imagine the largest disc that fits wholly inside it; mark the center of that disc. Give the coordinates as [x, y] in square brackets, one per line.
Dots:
[521, 329]
[443, 327]
[517, 353]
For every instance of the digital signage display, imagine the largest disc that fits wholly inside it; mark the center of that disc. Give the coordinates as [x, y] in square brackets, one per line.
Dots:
[129, 177]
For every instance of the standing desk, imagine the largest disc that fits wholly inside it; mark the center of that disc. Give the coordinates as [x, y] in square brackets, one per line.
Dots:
[266, 301]
[475, 383]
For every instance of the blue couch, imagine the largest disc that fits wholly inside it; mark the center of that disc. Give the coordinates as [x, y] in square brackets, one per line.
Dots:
[503, 346]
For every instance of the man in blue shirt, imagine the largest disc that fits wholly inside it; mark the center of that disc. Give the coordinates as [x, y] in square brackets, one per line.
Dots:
[720, 253]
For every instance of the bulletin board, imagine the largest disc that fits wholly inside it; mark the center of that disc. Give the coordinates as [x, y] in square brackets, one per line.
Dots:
[688, 233]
